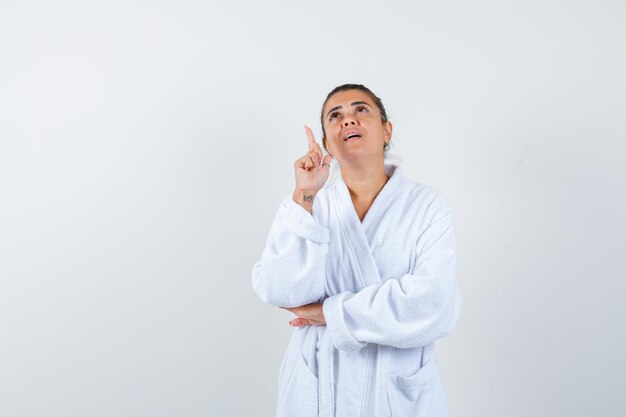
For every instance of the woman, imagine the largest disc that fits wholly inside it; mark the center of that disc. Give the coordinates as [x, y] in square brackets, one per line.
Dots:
[367, 263]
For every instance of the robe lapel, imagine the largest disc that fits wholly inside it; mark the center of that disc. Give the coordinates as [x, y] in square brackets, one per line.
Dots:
[354, 231]
[358, 247]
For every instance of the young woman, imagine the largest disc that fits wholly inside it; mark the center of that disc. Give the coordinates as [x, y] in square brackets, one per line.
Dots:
[367, 263]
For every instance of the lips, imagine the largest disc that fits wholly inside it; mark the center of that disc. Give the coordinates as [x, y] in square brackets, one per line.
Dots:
[351, 135]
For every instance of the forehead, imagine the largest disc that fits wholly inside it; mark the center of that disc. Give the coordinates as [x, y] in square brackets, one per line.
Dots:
[345, 98]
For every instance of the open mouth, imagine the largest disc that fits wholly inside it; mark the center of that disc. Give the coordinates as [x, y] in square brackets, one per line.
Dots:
[351, 136]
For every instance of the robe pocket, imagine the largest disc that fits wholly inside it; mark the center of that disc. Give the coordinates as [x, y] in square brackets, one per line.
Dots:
[301, 394]
[412, 395]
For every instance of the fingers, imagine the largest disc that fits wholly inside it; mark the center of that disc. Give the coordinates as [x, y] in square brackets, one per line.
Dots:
[318, 150]
[312, 311]
[326, 160]
[315, 158]
[313, 145]
[309, 161]
[310, 136]
[301, 322]
[298, 322]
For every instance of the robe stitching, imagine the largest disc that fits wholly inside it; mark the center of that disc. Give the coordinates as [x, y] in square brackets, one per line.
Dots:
[367, 378]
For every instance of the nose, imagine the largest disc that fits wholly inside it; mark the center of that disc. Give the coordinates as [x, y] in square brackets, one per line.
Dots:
[349, 119]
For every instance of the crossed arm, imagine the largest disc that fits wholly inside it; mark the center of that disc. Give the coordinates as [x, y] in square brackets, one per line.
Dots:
[409, 311]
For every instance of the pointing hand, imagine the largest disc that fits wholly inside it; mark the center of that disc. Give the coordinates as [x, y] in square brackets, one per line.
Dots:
[313, 168]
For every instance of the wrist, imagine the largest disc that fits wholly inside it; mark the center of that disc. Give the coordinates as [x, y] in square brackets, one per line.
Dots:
[304, 198]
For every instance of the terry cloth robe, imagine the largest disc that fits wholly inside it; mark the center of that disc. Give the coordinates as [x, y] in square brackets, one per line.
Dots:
[389, 291]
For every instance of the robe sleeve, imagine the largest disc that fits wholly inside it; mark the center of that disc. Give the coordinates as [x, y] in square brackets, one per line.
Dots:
[291, 272]
[411, 311]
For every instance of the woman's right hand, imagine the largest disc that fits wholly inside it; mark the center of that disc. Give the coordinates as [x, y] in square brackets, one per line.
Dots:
[312, 169]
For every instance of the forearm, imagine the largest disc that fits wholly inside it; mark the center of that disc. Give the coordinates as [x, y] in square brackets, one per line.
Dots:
[410, 311]
[392, 314]
[305, 199]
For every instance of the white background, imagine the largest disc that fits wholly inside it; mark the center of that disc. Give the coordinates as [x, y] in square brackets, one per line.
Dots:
[145, 146]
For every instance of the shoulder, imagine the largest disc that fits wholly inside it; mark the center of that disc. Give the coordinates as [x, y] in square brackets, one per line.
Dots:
[420, 195]
[431, 202]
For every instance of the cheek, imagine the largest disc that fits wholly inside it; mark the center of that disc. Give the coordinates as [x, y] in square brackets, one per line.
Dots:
[333, 131]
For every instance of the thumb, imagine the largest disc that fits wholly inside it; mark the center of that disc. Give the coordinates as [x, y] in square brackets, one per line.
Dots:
[327, 159]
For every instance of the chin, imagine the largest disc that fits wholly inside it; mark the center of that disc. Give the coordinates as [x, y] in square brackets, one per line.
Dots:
[351, 157]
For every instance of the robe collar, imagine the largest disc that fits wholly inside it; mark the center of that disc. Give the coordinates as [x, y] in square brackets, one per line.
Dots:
[397, 181]
[356, 232]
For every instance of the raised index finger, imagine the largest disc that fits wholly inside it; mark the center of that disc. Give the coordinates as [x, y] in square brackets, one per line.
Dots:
[309, 134]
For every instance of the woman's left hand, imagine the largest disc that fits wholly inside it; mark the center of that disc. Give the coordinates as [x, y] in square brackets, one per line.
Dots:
[308, 314]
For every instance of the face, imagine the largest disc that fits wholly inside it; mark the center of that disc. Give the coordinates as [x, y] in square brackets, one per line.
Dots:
[353, 125]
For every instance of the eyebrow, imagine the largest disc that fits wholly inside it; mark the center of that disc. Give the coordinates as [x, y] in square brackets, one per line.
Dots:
[356, 103]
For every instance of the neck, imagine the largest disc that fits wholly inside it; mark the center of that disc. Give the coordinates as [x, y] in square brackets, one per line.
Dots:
[364, 182]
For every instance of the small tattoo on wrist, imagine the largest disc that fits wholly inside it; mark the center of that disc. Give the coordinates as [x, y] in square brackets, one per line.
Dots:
[308, 198]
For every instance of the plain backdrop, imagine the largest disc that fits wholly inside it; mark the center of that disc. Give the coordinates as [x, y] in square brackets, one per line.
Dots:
[145, 147]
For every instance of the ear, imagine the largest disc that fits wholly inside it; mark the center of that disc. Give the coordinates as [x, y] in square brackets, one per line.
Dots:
[388, 130]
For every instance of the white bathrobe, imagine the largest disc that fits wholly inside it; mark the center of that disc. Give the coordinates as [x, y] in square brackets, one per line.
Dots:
[389, 291]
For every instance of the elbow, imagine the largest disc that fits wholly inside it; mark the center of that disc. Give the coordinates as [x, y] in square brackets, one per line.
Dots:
[442, 324]
[261, 284]
[281, 298]
[449, 317]
[270, 296]
[277, 292]
[449, 311]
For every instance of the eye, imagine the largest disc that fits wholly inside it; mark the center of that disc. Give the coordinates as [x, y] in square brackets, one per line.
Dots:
[361, 109]
[333, 115]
